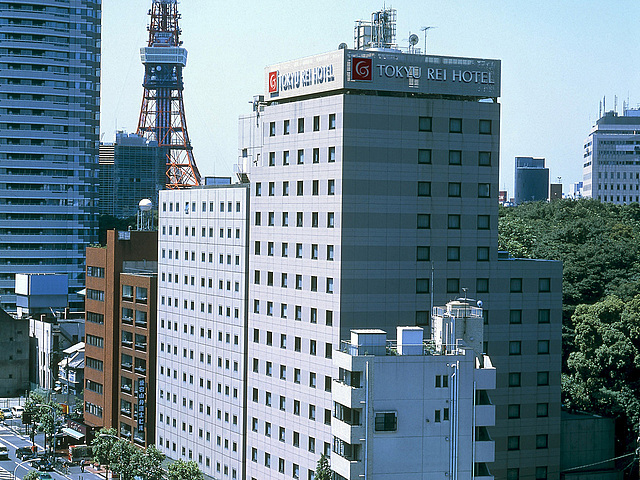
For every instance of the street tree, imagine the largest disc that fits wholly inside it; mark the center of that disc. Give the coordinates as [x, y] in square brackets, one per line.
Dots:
[123, 459]
[323, 469]
[102, 444]
[32, 475]
[148, 464]
[181, 470]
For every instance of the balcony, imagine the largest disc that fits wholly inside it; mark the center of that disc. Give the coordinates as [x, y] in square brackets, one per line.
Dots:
[141, 347]
[127, 343]
[125, 389]
[348, 433]
[141, 370]
[126, 412]
[485, 415]
[485, 451]
[141, 323]
[138, 438]
[127, 366]
[127, 320]
[346, 468]
[347, 395]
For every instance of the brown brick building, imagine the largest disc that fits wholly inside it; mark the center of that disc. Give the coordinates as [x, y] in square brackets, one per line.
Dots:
[120, 334]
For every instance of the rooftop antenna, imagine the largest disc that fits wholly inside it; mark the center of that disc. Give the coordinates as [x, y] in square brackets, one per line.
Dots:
[413, 40]
[425, 30]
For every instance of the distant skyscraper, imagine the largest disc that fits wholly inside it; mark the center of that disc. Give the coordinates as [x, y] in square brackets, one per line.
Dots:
[130, 169]
[49, 124]
[531, 180]
[611, 168]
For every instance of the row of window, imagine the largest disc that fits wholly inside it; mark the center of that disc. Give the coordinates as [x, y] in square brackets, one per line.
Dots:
[286, 125]
[514, 474]
[203, 232]
[295, 468]
[315, 188]
[207, 461]
[513, 410]
[191, 206]
[228, 390]
[299, 249]
[455, 157]
[192, 306]
[312, 285]
[300, 216]
[285, 158]
[515, 347]
[96, 272]
[297, 310]
[454, 221]
[542, 441]
[515, 316]
[515, 379]
[425, 124]
[454, 189]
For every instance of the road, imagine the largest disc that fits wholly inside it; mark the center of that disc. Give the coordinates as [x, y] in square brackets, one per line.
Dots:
[12, 436]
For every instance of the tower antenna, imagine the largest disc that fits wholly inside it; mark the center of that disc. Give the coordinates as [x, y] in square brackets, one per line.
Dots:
[425, 30]
[162, 115]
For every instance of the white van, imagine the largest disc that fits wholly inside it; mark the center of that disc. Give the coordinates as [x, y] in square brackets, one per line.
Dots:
[17, 411]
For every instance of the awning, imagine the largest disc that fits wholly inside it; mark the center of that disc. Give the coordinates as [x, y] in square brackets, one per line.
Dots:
[73, 433]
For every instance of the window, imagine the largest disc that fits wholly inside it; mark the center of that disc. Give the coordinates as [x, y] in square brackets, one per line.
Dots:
[301, 125]
[258, 192]
[312, 379]
[272, 159]
[543, 378]
[541, 473]
[515, 347]
[314, 251]
[483, 222]
[314, 283]
[422, 285]
[482, 285]
[515, 285]
[331, 155]
[544, 315]
[330, 220]
[484, 190]
[453, 285]
[424, 156]
[484, 159]
[285, 158]
[424, 124]
[285, 249]
[329, 252]
[453, 254]
[542, 441]
[454, 189]
[484, 127]
[513, 443]
[544, 285]
[258, 219]
[453, 222]
[329, 285]
[424, 189]
[542, 410]
[300, 157]
[455, 157]
[513, 474]
[514, 379]
[543, 347]
[513, 411]
[455, 125]
[300, 188]
[271, 219]
[331, 187]
[332, 121]
[386, 421]
[423, 254]
[316, 123]
[515, 316]
[315, 155]
[483, 254]
[272, 189]
[298, 250]
[424, 220]
[299, 219]
[285, 128]
[285, 219]
[272, 129]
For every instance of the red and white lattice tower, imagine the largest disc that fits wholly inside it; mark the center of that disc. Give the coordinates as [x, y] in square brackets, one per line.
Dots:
[162, 114]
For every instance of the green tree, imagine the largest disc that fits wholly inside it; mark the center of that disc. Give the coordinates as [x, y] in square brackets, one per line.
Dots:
[181, 470]
[124, 459]
[32, 475]
[603, 371]
[102, 444]
[149, 464]
[323, 469]
[42, 413]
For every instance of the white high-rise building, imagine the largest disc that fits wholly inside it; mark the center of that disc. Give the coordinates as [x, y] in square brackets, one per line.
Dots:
[372, 179]
[202, 337]
[611, 169]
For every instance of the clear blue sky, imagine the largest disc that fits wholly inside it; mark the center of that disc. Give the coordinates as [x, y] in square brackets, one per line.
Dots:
[559, 58]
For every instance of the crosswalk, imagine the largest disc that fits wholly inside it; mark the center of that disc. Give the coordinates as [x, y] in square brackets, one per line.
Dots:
[5, 474]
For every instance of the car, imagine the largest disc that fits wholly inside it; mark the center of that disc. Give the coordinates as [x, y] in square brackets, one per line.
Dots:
[25, 453]
[44, 465]
[17, 411]
[45, 476]
[4, 453]
[6, 411]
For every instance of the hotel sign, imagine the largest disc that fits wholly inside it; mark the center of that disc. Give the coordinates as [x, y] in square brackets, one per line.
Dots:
[384, 71]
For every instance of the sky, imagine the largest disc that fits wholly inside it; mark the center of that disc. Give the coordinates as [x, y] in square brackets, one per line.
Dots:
[559, 60]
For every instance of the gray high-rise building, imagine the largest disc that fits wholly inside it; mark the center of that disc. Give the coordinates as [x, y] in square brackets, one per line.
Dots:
[531, 180]
[49, 128]
[131, 169]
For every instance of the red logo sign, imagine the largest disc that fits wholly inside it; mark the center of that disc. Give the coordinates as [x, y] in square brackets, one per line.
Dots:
[361, 69]
[273, 82]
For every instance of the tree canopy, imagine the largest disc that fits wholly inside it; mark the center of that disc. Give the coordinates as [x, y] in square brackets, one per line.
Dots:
[181, 470]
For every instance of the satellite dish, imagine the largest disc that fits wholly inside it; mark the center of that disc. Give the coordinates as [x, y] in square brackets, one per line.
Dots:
[413, 39]
[145, 204]
[479, 303]
[342, 46]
